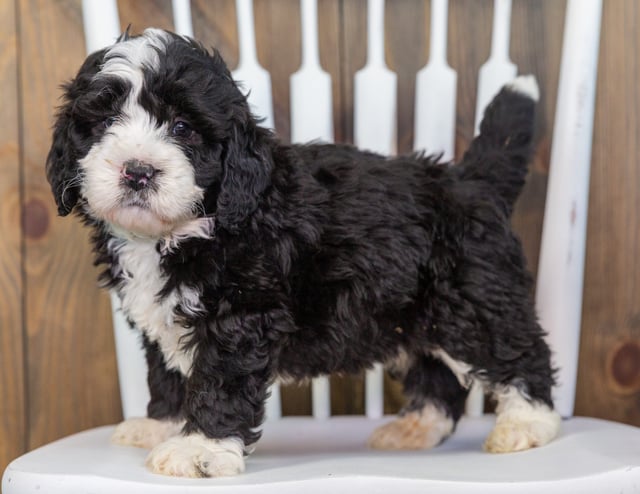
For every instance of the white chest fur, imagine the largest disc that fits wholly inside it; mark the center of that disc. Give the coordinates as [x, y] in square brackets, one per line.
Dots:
[142, 281]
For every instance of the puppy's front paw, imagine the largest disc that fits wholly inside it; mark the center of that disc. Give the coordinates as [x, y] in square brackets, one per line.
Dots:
[197, 456]
[414, 430]
[143, 432]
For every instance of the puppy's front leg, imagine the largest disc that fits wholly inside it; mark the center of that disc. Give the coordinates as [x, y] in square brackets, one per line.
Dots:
[164, 412]
[224, 406]
[196, 455]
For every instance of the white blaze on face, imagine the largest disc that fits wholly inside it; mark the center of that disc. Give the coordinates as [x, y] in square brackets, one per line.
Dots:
[136, 135]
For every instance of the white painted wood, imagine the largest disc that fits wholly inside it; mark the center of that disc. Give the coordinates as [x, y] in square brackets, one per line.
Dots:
[273, 406]
[498, 69]
[101, 23]
[182, 17]
[375, 95]
[562, 251]
[312, 119]
[474, 406]
[102, 28]
[254, 80]
[375, 129]
[132, 365]
[311, 99]
[494, 73]
[374, 392]
[302, 455]
[436, 84]
[321, 398]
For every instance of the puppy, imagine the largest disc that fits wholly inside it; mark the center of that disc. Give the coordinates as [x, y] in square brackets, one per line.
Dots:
[242, 259]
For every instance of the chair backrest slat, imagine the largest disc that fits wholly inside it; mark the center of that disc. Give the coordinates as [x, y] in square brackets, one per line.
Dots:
[321, 398]
[102, 28]
[375, 129]
[498, 69]
[494, 73]
[374, 392]
[436, 87]
[254, 80]
[562, 251]
[101, 23]
[182, 17]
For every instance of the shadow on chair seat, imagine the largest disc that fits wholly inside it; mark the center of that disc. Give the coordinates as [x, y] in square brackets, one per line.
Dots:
[302, 455]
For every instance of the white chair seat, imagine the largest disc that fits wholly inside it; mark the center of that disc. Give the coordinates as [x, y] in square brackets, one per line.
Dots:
[303, 455]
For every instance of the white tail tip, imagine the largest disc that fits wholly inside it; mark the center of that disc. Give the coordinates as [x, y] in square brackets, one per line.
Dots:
[526, 85]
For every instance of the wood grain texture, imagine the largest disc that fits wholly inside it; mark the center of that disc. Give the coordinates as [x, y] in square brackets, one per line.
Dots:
[72, 381]
[12, 404]
[536, 40]
[145, 13]
[215, 26]
[609, 365]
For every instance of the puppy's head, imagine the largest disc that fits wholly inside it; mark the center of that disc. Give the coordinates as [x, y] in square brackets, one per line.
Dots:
[153, 133]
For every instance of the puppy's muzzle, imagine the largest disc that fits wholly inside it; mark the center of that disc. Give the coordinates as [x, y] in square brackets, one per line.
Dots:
[137, 175]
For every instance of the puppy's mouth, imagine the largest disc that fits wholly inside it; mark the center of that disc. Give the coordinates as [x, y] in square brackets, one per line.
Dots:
[142, 214]
[137, 218]
[135, 201]
[135, 215]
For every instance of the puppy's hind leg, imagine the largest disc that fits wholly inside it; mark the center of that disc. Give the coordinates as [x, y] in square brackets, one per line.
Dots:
[435, 404]
[521, 422]
[515, 365]
[525, 417]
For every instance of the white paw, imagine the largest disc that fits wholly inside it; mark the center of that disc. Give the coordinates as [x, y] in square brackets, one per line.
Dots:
[197, 456]
[527, 85]
[521, 424]
[143, 432]
[508, 437]
[414, 430]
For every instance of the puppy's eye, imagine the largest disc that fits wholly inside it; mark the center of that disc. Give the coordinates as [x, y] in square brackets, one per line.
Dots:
[100, 127]
[108, 122]
[181, 130]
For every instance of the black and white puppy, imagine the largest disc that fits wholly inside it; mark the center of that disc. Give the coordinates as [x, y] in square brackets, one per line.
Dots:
[242, 259]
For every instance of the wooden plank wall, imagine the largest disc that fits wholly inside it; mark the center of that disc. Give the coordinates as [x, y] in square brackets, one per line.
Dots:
[57, 363]
[13, 425]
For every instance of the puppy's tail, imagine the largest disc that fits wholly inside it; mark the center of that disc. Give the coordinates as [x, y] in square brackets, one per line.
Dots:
[500, 154]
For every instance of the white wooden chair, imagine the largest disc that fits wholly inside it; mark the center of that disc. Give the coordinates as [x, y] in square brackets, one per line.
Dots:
[322, 453]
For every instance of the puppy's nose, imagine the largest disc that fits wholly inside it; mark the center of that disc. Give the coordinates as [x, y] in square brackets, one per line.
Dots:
[137, 174]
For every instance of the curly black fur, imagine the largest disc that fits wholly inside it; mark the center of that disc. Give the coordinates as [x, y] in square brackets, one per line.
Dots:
[320, 252]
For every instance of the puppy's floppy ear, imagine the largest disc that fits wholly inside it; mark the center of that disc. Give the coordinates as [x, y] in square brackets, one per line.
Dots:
[247, 165]
[62, 166]
[62, 160]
